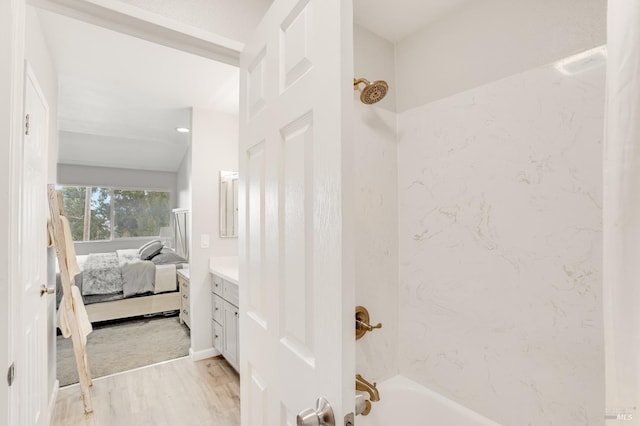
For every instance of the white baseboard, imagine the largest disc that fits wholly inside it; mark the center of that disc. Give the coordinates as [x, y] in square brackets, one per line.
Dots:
[207, 353]
[52, 401]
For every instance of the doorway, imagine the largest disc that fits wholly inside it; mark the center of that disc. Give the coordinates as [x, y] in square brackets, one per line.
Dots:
[120, 101]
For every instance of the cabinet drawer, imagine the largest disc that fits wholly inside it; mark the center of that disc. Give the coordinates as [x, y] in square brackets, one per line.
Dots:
[230, 292]
[184, 294]
[184, 285]
[216, 285]
[218, 305]
[184, 314]
[217, 336]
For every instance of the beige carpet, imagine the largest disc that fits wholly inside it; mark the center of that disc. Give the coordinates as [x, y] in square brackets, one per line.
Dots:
[121, 346]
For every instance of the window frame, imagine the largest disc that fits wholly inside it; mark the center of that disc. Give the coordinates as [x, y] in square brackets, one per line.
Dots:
[112, 188]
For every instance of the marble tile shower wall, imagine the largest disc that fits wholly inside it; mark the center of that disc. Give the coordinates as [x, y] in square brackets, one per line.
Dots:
[500, 219]
[376, 237]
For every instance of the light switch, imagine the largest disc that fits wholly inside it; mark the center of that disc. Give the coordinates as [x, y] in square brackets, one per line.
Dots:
[204, 241]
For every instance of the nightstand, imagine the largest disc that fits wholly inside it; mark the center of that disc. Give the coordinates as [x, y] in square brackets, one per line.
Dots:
[183, 282]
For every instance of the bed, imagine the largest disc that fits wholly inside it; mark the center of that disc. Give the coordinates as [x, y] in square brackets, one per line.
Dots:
[130, 282]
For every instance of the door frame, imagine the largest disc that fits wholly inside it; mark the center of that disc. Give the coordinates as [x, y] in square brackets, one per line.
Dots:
[30, 79]
[111, 15]
[139, 23]
[12, 20]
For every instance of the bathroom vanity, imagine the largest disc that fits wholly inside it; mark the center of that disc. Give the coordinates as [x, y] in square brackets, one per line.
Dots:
[225, 313]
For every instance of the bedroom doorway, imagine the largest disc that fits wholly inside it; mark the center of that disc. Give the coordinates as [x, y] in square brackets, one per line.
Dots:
[125, 135]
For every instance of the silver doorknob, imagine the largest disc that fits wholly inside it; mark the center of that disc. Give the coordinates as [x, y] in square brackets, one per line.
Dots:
[321, 416]
[46, 290]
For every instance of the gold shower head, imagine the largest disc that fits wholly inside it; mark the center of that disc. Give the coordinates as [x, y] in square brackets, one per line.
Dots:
[372, 92]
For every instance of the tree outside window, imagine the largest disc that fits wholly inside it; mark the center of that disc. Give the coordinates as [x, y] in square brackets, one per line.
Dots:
[100, 213]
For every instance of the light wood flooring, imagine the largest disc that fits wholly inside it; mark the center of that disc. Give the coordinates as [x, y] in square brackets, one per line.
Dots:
[179, 392]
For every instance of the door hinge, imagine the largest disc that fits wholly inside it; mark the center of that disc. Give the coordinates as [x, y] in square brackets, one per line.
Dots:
[11, 373]
[26, 124]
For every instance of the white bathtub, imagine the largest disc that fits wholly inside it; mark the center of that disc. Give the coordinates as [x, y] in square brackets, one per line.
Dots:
[405, 403]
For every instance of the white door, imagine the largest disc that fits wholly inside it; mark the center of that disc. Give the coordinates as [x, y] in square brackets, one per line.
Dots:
[31, 366]
[296, 276]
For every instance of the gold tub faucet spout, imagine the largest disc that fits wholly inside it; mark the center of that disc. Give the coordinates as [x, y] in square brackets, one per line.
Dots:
[371, 389]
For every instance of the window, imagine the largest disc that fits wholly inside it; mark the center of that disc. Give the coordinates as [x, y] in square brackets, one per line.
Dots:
[100, 213]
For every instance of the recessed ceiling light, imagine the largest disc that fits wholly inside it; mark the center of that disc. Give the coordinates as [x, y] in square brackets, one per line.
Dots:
[182, 130]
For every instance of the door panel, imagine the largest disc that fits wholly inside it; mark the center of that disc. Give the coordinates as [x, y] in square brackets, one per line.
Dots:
[296, 94]
[32, 370]
[231, 333]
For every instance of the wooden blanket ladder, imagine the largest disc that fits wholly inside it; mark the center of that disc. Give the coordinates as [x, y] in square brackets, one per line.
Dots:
[61, 241]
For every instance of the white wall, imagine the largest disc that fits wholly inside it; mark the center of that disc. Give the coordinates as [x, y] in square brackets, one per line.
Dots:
[235, 20]
[376, 201]
[38, 55]
[491, 39]
[183, 182]
[374, 59]
[120, 152]
[214, 147]
[69, 174]
[500, 248]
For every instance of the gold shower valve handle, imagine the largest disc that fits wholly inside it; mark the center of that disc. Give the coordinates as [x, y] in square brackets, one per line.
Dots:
[369, 327]
[362, 322]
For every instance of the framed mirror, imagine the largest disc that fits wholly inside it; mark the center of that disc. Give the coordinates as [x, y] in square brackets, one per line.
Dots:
[228, 204]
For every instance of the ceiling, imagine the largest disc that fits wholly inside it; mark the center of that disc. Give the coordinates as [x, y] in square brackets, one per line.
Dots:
[396, 19]
[115, 104]
[131, 101]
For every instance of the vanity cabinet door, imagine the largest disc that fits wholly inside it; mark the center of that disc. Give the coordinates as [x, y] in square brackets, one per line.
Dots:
[218, 336]
[218, 308]
[230, 350]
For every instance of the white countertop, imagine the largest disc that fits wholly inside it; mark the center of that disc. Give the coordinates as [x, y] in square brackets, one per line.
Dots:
[184, 272]
[225, 267]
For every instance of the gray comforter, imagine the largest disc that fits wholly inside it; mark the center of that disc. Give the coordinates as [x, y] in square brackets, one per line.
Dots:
[121, 272]
[101, 274]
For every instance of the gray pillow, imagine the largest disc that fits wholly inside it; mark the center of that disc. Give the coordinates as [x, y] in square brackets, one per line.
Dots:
[151, 250]
[167, 256]
[145, 245]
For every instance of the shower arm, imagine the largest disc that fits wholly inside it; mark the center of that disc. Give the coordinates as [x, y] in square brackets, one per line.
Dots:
[358, 81]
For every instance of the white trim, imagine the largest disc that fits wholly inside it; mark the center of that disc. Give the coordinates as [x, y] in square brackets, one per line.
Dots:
[204, 354]
[15, 84]
[119, 16]
[31, 84]
[52, 400]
